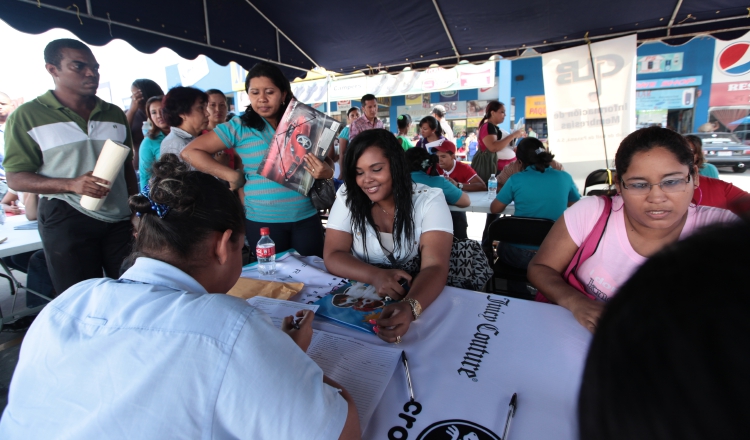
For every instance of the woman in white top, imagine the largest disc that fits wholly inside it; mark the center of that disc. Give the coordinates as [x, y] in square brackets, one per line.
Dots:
[162, 352]
[380, 223]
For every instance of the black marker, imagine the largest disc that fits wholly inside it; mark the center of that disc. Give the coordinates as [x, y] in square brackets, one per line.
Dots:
[511, 412]
[408, 375]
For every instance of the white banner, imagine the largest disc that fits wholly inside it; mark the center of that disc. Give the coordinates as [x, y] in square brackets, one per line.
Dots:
[468, 76]
[573, 117]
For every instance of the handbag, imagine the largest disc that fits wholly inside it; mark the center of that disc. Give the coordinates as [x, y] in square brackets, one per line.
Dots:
[323, 194]
[468, 267]
[485, 164]
[584, 252]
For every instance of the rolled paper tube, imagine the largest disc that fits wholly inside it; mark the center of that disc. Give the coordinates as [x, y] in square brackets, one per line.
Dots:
[107, 167]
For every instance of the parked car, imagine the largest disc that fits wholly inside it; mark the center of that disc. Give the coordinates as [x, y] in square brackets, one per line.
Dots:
[725, 150]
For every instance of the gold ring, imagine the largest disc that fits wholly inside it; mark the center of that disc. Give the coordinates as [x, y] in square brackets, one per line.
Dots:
[398, 340]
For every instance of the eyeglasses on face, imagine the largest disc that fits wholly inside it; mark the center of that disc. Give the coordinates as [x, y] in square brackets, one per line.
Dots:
[668, 186]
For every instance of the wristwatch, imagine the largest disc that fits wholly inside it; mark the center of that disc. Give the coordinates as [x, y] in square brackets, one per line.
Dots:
[416, 308]
[460, 185]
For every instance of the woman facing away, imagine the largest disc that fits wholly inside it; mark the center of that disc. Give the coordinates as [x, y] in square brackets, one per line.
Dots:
[162, 352]
[423, 167]
[539, 191]
[291, 217]
[150, 150]
[655, 182]
[404, 123]
[378, 226]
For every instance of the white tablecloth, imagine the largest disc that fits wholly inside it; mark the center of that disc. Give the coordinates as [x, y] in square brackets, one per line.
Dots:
[481, 203]
[18, 241]
[468, 353]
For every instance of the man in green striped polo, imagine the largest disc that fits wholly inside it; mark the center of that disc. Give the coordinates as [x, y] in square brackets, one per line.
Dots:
[52, 144]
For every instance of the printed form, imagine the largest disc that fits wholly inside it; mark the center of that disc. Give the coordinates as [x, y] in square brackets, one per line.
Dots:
[363, 369]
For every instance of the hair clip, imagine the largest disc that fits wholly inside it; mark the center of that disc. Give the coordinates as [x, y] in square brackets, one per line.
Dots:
[160, 209]
[400, 117]
[539, 150]
[425, 164]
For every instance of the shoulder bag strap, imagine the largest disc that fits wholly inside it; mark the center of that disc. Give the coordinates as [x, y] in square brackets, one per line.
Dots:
[591, 242]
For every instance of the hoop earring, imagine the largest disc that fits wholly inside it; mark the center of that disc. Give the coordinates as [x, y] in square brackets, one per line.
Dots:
[700, 195]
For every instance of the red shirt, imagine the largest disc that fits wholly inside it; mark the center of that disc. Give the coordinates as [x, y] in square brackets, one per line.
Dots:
[461, 172]
[719, 194]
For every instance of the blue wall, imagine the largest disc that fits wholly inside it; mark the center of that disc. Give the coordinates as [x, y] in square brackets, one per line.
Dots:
[532, 83]
[698, 60]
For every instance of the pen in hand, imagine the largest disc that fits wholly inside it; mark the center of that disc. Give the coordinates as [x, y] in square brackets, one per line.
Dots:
[295, 323]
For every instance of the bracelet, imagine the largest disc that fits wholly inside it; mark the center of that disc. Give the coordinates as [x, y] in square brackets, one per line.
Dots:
[416, 308]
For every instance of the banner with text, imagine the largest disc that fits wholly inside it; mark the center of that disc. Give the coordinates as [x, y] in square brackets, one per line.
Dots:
[573, 113]
[462, 77]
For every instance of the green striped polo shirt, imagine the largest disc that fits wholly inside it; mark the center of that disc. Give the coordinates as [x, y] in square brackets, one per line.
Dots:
[265, 200]
[45, 137]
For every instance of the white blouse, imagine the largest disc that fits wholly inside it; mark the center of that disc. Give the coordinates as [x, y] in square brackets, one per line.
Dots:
[431, 213]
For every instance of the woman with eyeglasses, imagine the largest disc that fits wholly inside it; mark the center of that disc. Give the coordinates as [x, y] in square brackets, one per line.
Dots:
[655, 180]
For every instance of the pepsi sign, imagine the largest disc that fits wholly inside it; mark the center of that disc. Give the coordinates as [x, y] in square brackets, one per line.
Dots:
[734, 60]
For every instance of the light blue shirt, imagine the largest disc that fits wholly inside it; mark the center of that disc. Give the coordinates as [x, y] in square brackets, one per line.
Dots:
[265, 200]
[451, 192]
[153, 356]
[539, 195]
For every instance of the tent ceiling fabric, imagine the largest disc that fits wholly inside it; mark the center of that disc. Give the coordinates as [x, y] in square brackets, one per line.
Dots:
[345, 36]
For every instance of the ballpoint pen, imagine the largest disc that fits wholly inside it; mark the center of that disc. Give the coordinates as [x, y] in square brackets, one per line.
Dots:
[408, 375]
[295, 323]
[511, 412]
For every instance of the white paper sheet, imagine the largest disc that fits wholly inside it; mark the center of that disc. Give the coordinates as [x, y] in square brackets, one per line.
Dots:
[278, 309]
[363, 369]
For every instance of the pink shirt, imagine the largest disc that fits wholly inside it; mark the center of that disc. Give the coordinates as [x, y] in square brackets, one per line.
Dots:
[362, 124]
[615, 260]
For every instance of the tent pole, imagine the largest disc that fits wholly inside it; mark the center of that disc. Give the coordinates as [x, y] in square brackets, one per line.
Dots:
[598, 101]
[674, 15]
[447, 31]
[88, 8]
[282, 33]
[278, 46]
[205, 16]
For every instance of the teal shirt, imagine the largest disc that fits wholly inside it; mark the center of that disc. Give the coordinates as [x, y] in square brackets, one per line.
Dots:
[344, 133]
[148, 154]
[709, 170]
[539, 195]
[451, 192]
[265, 200]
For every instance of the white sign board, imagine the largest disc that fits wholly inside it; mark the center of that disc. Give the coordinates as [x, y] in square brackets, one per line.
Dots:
[573, 111]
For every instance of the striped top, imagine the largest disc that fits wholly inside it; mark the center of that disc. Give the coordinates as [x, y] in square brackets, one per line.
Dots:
[43, 136]
[265, 200]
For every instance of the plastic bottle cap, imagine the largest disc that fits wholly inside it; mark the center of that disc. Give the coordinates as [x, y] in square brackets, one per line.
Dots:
[265, 231]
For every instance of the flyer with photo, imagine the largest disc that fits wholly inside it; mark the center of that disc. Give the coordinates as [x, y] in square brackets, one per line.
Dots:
[301, 130]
